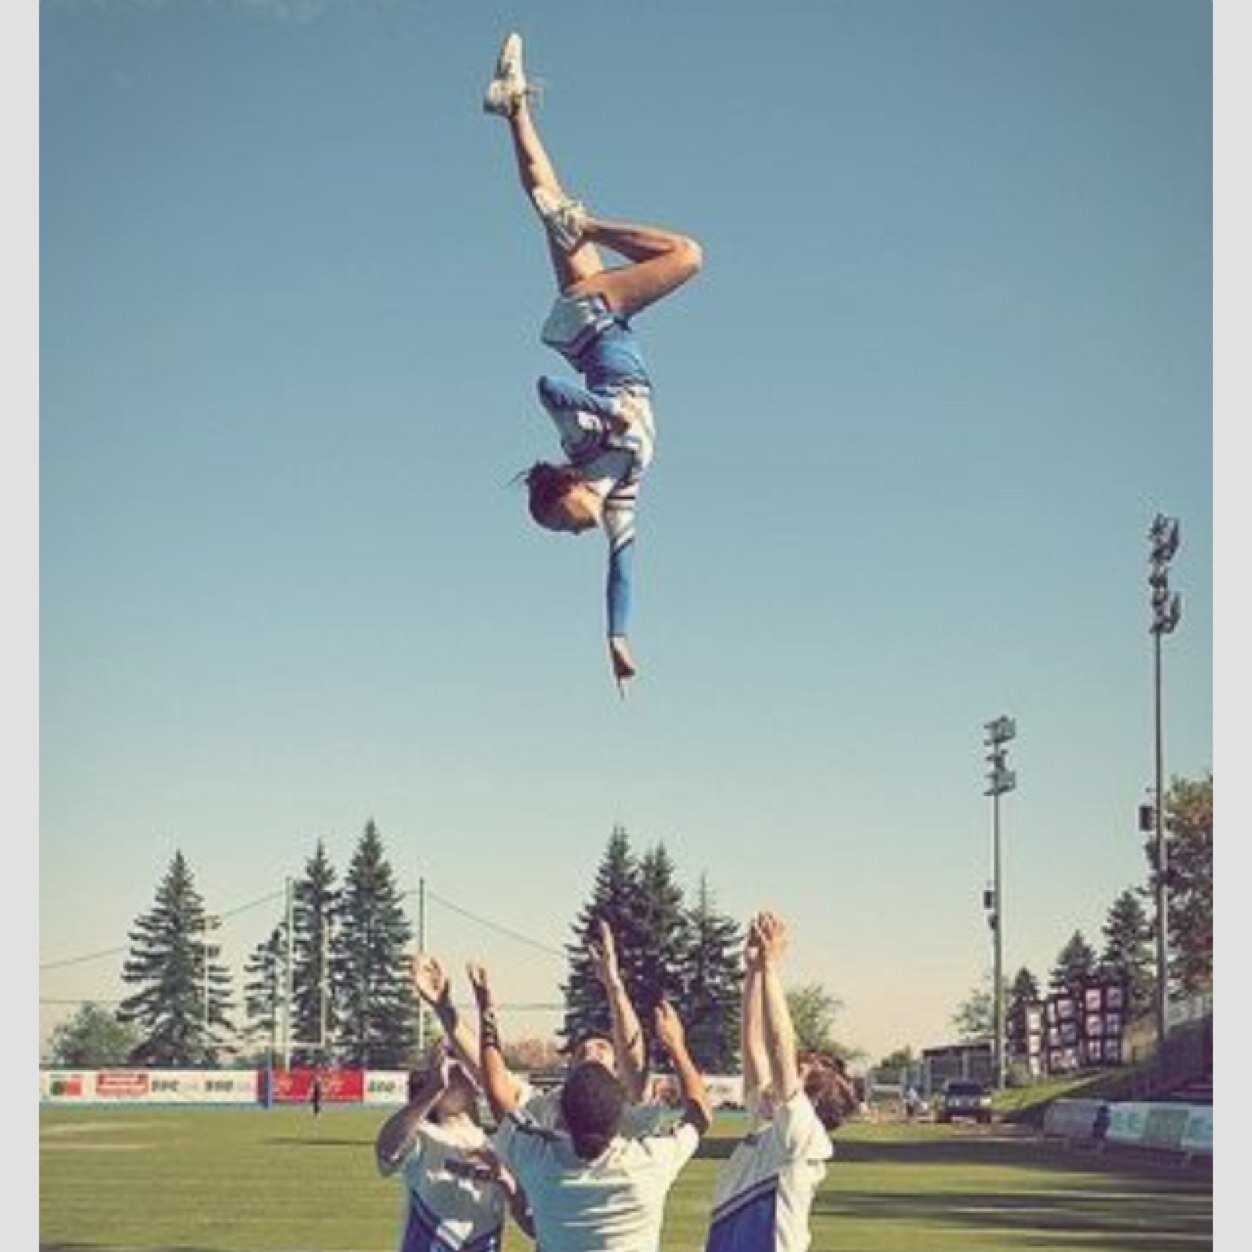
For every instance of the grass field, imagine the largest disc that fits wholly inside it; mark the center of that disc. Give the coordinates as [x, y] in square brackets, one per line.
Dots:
[226, 1180]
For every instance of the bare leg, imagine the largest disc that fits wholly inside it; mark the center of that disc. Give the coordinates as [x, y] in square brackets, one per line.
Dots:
[660, 259]
[535, 169]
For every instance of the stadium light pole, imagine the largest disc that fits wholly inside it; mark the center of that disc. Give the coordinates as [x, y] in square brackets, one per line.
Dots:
[1000, 780]
[1163, 536]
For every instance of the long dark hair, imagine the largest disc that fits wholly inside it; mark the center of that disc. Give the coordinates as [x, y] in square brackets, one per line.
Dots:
[546, 486]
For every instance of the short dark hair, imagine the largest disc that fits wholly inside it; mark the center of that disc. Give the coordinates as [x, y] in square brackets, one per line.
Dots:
[546, 486]
[592, 1101]
[576, 1040]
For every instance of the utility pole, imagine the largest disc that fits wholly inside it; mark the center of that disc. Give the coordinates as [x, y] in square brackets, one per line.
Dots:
[289, 973]
[421, 947]
[1000, 780]
[323, 1005]
[1166, 613]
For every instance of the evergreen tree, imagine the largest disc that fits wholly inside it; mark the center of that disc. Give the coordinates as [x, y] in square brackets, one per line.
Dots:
[654, 967]
[1075, 965]
[615, 898]
[712, 1000]
[370, 966]
[1023, 993]
[264, 990]
[181, 1010]
[1127, 954]
[1189, 884]
[314, 913]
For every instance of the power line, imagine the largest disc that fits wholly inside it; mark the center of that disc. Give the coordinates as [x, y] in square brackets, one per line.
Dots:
[508, 932]
[96, 956]
[503, 930]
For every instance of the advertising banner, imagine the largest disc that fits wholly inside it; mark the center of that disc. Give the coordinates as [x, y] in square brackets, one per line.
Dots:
[295, 1086]
[67, 1086]
[122, 1084]
[386, 1086]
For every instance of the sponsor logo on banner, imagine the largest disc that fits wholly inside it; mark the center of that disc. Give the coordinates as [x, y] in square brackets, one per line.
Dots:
[339, 1086]
[386, 1086]
[122, 1084]
[63, 1086]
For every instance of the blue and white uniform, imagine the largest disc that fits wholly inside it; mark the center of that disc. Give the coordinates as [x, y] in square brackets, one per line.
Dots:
[604, 349]
[765, 1189]
[615, 1203]
[448, 1211]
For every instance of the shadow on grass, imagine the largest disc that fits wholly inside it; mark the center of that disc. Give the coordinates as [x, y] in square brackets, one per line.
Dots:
[1024, 1150]
[1035, 1196]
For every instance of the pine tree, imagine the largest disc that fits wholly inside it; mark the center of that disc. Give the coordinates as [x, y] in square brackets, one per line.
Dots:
[370, 964]
[712, 975]
[314, 912]
[1127, 955]
[1023, 995]
[654, 967]
[615, 898]
[1075, 965]
[182, 1007]
[265, 975]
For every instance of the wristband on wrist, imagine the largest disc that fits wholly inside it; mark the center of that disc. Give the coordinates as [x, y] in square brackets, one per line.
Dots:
[489, 1034]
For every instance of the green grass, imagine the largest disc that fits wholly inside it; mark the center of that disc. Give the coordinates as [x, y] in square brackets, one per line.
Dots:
[224, 1180]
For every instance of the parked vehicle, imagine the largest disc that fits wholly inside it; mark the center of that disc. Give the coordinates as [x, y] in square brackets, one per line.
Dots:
[960, 1098]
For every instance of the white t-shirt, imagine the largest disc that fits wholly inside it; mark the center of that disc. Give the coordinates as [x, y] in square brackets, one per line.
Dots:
[765, 1189]
[615, 1203]
[446, 1209]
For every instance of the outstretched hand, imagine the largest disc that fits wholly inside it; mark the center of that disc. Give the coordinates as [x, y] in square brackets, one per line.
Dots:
[770, 934]
[429, 979]
[603, 954]
[669, 1029]
[624, 667]
[477, 975]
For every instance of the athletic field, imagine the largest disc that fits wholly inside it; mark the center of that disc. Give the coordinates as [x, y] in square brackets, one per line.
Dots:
[244, 1180]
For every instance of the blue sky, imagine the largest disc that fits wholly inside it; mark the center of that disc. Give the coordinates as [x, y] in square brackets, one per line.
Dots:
[950, 353]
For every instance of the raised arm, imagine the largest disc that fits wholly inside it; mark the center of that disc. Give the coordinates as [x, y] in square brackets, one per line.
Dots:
[627, 1032]
[670, 1035]
[396, 1135]
[498, 1083]
[756, 1068]
[435, 989]
[780, 1038]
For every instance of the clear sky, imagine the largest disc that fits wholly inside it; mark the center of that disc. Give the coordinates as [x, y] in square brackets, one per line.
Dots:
[950, 353]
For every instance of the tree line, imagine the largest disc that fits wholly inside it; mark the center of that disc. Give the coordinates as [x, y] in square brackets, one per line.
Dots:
[331, 983]
[1127, 953]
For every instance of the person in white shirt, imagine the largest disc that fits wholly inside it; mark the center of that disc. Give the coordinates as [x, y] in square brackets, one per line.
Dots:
[591, 1188]
[457, 1193]
[764, 1191]
[621, 1051]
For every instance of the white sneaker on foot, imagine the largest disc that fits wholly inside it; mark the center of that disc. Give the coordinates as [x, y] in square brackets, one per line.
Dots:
[564, 218]
[508, 84]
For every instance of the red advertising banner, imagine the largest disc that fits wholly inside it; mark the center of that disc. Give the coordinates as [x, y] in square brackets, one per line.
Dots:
[122, 1084]
[295, 1086]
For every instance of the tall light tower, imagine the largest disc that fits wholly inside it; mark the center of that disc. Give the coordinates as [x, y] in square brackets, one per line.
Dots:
[1000, 780]
[1163, 536]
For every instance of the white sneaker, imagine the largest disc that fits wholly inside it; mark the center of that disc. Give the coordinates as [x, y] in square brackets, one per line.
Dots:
[508, 84]
[565, 219]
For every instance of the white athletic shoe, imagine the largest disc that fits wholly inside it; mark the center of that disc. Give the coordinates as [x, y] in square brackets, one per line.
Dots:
[565, 219]
[508, 84]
